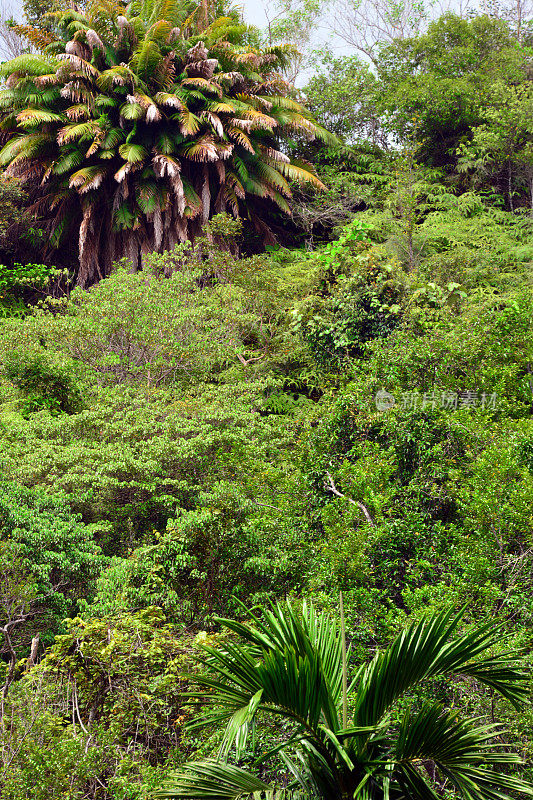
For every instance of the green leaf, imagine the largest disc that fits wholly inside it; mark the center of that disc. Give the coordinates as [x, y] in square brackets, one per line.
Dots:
[134, 153]
[212, 780]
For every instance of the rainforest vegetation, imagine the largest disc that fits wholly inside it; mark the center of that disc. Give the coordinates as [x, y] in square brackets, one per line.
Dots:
[266, 402]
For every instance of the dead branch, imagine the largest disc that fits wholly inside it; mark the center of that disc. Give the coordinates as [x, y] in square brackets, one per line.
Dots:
[330, 487]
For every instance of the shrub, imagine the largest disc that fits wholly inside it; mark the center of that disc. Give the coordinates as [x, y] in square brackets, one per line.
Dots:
[45, 385]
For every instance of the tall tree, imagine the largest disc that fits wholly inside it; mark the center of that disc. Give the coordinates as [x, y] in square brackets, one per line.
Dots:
[138, 122]
[437, 88]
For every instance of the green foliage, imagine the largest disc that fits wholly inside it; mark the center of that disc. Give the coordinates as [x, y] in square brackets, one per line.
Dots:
[294, 668]
[157, 327]
[441, 86]
[361, 306]
[124, 671]
[57, 553]
[215, 430]
[223, 550]
[43, 384]
[21, 282]
[342, 95]
[143, 122]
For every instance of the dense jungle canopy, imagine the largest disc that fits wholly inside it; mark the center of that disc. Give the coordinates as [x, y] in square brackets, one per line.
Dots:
[266, 401]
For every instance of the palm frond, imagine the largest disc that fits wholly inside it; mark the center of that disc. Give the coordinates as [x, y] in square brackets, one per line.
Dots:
[189, 123]
[461, 752]
[213, 780]
[68, 161]
[427, 649]
[78, 111]
[300, 175]
[27, 64]
[79, 65]
[271, 175]
[170, 100]
[38, 37]
[87, 179]
[203, 84]
[80, 131]
[37, 116]
[113, 137]
[133, 153]
[132, 111]
[120, 75]
[240, 137]
[23, 147]
[293, 662]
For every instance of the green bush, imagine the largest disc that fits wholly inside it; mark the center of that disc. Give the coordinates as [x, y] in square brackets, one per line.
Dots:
[148, 327]
[45, 385]
[56, 552]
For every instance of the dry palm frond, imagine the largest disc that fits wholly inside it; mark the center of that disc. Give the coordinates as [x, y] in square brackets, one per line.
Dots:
[79, 111]
[87, 179]
[273, 155]
[165, 165]
[95, 144]
[243, 124]
[38, 37]
[77, 48]
[239, 137]
[236, 185]
[79, 65]
[171, 100]
[47, 80]
[198, 53]
[202, 69]
[204, 84]
[166, 71]
[230, 78]
[93, 40]
[255, 101]
[215, 122]
[250, 59]
[122, 173]
[259, 120]
[80, 131]
[205, 149]
[225, 150]
[153, 114]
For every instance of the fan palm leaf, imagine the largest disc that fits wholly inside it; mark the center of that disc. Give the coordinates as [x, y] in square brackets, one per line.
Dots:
[291, 665]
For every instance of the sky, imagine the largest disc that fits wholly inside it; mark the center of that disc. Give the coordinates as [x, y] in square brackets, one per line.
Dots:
[254, 12]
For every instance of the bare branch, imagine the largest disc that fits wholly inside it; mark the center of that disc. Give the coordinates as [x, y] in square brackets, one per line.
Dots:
[11, 43]
[330, 487]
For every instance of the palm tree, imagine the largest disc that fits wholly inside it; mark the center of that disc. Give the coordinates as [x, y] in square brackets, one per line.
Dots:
[137, 122]
[292, 667]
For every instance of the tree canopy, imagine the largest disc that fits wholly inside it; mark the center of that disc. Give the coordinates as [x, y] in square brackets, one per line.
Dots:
[137, 123]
